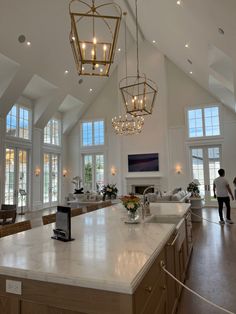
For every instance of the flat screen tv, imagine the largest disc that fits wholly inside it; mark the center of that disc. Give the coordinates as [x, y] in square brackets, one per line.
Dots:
[143, 162]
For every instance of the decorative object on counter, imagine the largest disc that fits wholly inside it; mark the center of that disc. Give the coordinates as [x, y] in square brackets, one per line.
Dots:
[131, 203]
[77, 182]
[63, 224]
[93, 35]
[193, 188]
[110, 191]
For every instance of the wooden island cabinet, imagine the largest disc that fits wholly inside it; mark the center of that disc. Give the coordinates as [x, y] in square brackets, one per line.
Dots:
[122, 278]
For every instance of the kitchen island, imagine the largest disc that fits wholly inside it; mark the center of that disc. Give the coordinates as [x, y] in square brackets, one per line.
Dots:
[110, 268]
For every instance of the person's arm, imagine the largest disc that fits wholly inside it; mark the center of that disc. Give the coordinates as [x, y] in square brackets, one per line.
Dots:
[214, 190]
[230, 192]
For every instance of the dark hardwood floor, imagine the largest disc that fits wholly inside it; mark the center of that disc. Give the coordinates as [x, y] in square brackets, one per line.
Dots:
[212, 269]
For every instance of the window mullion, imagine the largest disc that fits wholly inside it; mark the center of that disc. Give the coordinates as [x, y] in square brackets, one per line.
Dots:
[203, 122]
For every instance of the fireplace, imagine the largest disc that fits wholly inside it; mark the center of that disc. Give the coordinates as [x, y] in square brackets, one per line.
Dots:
[139, 189]
[137, 185]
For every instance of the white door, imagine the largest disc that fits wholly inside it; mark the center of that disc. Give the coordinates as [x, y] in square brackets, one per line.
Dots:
[206, 162]
[16, 177]
[50, 179]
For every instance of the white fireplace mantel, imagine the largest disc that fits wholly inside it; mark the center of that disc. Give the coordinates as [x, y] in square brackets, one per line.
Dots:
[143, 180]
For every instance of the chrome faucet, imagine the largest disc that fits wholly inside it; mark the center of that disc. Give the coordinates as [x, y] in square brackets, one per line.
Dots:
[146, 205]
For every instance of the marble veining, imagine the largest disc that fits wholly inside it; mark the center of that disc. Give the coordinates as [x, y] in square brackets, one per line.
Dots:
[107, 254]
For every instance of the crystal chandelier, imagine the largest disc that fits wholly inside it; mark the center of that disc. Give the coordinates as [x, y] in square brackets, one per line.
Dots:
[93, 36]
[138, 92]
[128, 125]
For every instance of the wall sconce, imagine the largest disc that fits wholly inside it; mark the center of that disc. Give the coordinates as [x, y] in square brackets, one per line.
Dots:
[37, 171]
[64, 172]
[113, 171]
[178, 169]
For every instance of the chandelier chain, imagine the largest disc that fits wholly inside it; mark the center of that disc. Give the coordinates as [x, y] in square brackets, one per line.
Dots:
[136, 20]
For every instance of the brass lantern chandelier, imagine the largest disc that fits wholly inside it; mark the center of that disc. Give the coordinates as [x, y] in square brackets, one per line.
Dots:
[138, 92]
[93, 35]
[128, 124]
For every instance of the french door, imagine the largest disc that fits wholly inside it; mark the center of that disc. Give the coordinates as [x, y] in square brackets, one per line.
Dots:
[206, 161]
[16, 177]
[93, 172]
[50, 179]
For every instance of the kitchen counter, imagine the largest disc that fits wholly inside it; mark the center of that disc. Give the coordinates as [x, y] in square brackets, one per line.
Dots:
[107, 254]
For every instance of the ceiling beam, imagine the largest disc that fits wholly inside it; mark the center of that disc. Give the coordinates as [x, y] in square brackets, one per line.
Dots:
[14, 90]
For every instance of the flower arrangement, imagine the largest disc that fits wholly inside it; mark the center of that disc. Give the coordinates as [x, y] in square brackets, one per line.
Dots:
[131, 202]
[193, 188]
[109, 190]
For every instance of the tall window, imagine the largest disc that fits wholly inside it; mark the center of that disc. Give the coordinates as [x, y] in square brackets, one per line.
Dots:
[18, 122]
[52, 132]
[203, 122]
[92, 133]
[93, 171]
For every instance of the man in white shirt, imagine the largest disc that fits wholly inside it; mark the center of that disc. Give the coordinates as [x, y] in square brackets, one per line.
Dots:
[222, 190]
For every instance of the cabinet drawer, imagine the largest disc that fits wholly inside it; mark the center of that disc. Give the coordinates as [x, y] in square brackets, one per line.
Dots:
[150, 286]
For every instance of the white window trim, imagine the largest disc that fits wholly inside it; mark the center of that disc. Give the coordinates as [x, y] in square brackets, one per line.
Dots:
[59, 131]
[17, 138]
[203, 138]
[92, 147]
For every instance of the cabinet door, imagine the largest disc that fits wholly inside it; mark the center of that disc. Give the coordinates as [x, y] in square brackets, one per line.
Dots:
[9, 305]
[35, 308]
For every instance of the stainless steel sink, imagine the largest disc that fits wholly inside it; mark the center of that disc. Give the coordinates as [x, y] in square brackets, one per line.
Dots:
[175, 220]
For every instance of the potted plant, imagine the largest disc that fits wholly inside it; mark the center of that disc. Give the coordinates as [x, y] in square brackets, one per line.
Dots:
[110, 191]
[131, 203]
[193, 188]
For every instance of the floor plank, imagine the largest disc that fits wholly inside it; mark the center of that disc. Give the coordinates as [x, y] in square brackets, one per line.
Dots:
[212, 269]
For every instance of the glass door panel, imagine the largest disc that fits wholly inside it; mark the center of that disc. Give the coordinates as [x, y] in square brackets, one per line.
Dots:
[22, 177]
[205, 166]
[10, 181]
[99, 175]
[16, 177]
[54, 178]
[50, 179]
[88, 172]
[46, 178]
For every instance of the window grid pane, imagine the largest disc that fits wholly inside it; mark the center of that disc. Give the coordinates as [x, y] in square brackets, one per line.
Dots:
[99, 133]
[195, 123]
[212, 123]
[11, 122]
[211, 126]
[24, 123]
[87, 139]
[23, 173]
[93, 133]
[52, 132]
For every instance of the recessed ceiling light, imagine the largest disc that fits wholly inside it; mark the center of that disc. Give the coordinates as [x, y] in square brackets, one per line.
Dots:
[90, 90]
[28, 43]
[119, 49]
[191, 72]
[101, 70]
[153, 41]
[179, 2]
[82, 68]
[186, 45]
[66, 72]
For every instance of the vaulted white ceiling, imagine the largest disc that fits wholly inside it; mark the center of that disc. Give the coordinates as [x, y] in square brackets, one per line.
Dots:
[38, 71]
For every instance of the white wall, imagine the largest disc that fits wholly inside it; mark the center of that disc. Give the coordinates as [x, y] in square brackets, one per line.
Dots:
[109, 103]
[183, 92]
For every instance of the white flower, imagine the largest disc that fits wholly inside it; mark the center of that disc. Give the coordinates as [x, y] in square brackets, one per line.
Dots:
[130, 205]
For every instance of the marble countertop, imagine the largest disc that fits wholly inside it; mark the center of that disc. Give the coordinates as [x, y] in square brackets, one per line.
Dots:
[107, 254]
